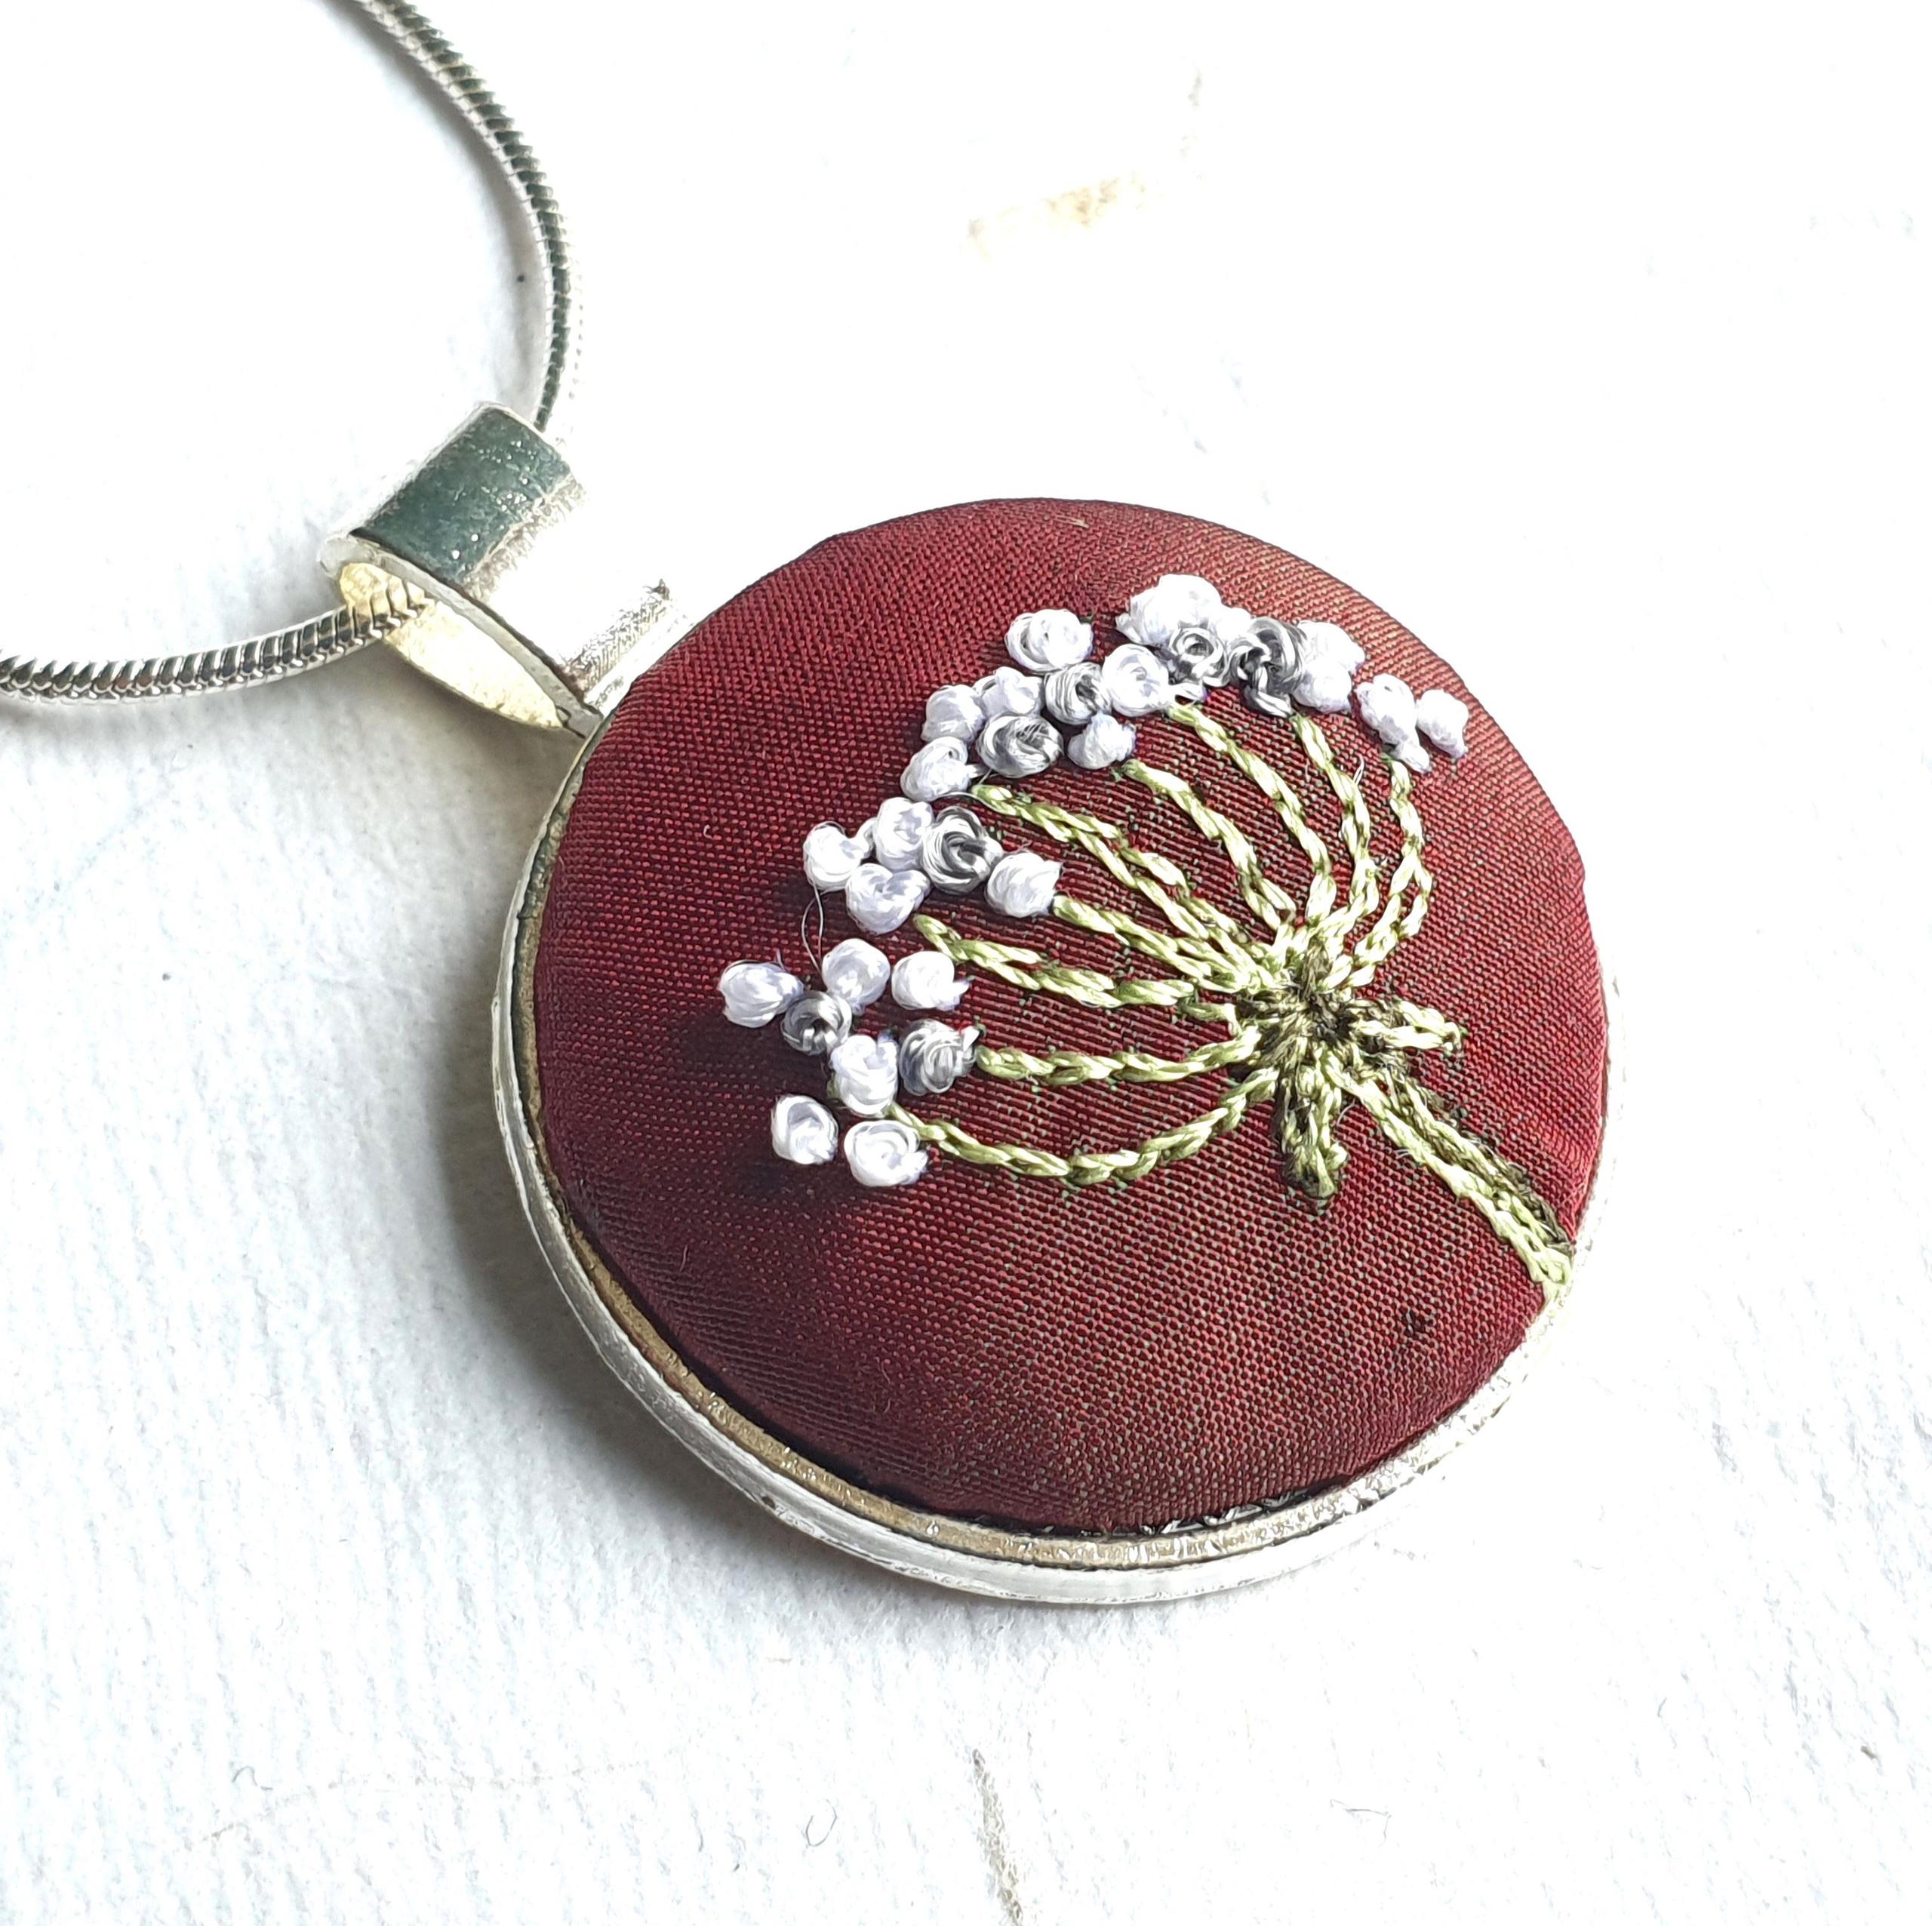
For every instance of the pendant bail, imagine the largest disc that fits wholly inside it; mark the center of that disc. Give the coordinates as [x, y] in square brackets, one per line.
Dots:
[527, 616]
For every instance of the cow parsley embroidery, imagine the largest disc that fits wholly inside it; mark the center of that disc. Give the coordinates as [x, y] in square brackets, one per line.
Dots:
[1284, 988]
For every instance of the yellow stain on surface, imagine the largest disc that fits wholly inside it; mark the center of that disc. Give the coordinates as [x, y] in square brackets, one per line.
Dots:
[1078, 209]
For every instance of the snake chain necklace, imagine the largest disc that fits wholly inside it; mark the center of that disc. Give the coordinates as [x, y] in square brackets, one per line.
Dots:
[1085, 1086]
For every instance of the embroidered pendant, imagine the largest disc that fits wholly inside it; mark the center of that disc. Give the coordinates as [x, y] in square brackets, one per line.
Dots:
[1055, 1046]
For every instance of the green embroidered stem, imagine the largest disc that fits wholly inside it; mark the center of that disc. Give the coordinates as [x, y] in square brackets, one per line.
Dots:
[1286, 804]
[1299, 1029]
[1027, 969]
[1272, 906]
[1084, 1167]
[1395, 925]
[1150, 874]
[1060, 1067]
[1408, 1118]
[1192, 959]
[1357, 828]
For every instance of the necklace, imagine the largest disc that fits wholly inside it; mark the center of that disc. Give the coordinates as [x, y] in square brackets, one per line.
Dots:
[1052, 1043]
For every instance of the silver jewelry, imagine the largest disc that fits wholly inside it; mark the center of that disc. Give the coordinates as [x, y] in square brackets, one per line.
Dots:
[455, 571]
[377, 614]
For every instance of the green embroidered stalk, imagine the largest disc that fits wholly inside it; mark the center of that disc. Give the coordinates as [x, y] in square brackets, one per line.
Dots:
[1289, 993]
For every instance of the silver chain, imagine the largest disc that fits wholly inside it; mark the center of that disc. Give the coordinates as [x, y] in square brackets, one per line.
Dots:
[309, 645]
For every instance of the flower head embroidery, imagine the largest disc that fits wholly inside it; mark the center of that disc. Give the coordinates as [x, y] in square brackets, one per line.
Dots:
[1283, 986]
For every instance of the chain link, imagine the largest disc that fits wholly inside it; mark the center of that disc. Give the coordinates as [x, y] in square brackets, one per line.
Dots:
[325, 638]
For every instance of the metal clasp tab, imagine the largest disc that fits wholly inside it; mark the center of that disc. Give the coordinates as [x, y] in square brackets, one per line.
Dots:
[525, 617]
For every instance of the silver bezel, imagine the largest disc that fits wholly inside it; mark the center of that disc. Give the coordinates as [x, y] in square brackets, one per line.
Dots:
[1181, 1562]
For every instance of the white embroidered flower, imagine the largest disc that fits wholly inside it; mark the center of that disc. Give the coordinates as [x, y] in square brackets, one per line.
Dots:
[1325, 673]
[831, 855]
[926, 981]
[940, 769]
[1155, 615]
[933, 1056]
[879, 899]
[1022, 885]
[857, 971]
[865, 1072]
[1134, 681]
[1074, 696]
[803, 1132]
[883, 1153]
[1017, 746]
[1444, 720]
[954, 710]
[959, 851]
[1049, 639]
[817, 1023]
[1227, 626]
[1105, 740]
[897, 831]
[1007, 692]
[754, 993]
[1388, 705]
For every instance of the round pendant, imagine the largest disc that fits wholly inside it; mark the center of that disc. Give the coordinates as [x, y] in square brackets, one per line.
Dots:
[1057, 1048]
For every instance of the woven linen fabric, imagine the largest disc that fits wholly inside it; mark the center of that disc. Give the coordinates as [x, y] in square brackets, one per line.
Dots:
[980, 1343]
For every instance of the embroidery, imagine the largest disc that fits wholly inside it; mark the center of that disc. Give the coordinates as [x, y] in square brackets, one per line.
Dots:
[1297, 1028]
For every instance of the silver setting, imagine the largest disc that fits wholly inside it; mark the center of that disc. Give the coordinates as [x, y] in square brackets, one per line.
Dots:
[537, 614]
[1179, 1560]
[1264, 662]
[373, 610]
[1196, 656]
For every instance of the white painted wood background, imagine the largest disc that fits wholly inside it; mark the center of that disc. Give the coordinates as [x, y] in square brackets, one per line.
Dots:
[339, 1582]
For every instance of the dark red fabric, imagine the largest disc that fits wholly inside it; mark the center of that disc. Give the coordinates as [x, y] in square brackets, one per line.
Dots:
[978, 1344]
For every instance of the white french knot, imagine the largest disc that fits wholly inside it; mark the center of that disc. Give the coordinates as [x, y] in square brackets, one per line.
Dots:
[885, 1152]
[1007, 692]
[831, 855]
[754, 993]
[1134, 681]
[1388, 705]
[898, 830]
[954, 710]
[1022, 884]
[1444, 720]
[927, 980]
[1156, 616]
[864, 1070]
[857, 970]
[879, 899]
[803, 1131]
[1105, 741]
[1325, 675]
[940, 769]
[1049, 639]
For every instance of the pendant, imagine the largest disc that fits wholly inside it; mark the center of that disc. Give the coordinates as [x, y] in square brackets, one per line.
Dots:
[1052, 1044]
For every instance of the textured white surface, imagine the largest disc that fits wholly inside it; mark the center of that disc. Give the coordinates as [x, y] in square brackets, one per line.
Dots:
[339, 1582]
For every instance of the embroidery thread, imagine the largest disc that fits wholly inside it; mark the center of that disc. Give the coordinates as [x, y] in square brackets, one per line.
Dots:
[1289, 993]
